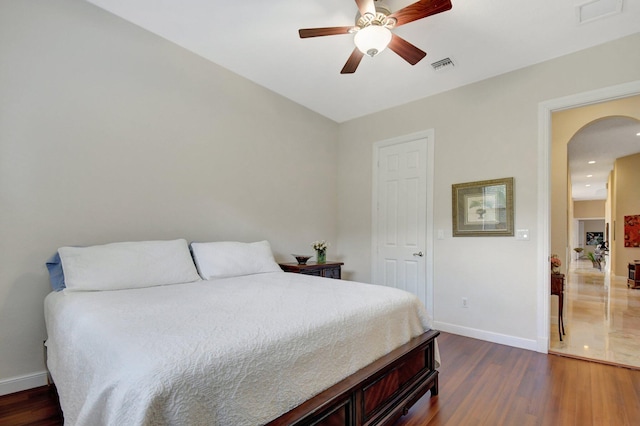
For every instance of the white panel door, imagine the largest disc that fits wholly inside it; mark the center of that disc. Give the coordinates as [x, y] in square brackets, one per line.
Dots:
[401, 214]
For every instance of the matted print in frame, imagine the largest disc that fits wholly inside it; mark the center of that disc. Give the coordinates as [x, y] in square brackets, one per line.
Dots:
[483, 208]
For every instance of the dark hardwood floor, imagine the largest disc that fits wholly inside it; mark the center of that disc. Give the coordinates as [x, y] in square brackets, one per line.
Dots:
[481, 383]
[484, 383]
[37, 406]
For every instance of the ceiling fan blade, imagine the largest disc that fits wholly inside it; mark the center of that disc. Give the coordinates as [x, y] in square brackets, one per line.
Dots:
[366, 6]
[406, 50]
[353, 62]
[419, 10]
[319, 32]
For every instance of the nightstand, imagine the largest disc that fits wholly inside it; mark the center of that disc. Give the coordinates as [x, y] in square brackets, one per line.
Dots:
[327, 270]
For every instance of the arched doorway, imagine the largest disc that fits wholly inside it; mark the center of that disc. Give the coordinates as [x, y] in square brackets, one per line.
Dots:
[569, 125]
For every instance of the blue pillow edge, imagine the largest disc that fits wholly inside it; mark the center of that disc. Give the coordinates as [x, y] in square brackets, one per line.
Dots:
[56, 273]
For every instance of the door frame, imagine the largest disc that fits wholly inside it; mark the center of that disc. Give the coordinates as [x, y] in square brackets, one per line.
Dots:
[545, 109]
[429, 135]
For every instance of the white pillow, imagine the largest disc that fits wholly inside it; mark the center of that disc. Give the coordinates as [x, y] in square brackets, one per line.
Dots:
[119, 266]
[231, 259]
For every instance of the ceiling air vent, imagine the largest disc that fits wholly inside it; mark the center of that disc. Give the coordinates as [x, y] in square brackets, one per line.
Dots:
[443, 64]
[597, 9]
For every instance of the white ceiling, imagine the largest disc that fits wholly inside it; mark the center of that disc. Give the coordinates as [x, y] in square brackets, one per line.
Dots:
[259, 40]
[602, 141]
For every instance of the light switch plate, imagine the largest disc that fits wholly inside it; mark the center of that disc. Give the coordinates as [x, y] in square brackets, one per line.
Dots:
[522, 234]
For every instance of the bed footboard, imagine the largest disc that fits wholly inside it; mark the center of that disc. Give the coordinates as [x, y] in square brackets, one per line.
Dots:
[378, 394]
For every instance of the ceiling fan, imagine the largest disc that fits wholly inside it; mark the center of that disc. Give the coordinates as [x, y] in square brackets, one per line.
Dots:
[374, 23]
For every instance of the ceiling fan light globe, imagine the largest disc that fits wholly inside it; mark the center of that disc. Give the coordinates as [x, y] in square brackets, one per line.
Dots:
[372, 39]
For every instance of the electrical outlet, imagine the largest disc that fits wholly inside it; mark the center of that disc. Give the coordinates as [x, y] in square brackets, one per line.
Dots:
[465, 302]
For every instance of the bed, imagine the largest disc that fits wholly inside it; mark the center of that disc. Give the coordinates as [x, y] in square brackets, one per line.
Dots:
[239, 347]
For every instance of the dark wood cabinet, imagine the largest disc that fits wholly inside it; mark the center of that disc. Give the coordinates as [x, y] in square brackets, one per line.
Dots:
[327, 270]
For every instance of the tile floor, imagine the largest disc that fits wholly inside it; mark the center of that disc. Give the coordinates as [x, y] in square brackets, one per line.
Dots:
[601, 317]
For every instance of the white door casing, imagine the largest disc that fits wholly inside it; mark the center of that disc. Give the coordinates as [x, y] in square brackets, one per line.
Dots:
[545, 109]
[402, 249]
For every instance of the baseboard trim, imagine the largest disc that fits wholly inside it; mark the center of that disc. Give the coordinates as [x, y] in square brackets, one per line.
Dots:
[502, 339]
[20, 383]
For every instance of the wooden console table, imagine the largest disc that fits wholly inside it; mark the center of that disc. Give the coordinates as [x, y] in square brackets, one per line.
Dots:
[557, 288]
[327, 270]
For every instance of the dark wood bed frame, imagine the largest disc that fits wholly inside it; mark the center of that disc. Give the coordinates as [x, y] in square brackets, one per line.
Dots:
[378, 394]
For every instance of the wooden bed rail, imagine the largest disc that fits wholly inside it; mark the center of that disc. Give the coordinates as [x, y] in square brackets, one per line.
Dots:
[378, 394]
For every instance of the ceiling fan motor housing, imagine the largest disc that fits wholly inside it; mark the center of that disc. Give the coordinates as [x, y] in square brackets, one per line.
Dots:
[380, 18]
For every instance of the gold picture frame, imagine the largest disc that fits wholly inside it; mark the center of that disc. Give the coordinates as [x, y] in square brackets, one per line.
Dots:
[483, 208]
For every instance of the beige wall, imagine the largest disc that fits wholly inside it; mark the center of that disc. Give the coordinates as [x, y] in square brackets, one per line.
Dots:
[609, 215]
[566, 257]
[627, 187]
[565, 124]
[485, 130]
[109, 133]
[588, 209]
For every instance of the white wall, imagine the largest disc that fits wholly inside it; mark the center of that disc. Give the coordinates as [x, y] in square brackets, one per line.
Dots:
[485, 130]
[109, 133]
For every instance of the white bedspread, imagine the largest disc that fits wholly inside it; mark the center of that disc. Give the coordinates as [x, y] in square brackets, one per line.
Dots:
[234, 351]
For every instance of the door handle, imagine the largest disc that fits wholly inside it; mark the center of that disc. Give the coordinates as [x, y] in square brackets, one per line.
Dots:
[419, 254]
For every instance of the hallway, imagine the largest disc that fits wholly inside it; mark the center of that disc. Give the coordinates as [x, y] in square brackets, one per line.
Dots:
[601, 317]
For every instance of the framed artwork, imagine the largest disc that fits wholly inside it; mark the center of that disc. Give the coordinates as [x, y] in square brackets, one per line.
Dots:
[594, 238]
[632, 231]
[483, 208]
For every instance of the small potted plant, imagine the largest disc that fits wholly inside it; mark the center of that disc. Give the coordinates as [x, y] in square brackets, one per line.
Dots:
[596, 260]
[555, 264]
[321, 250]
